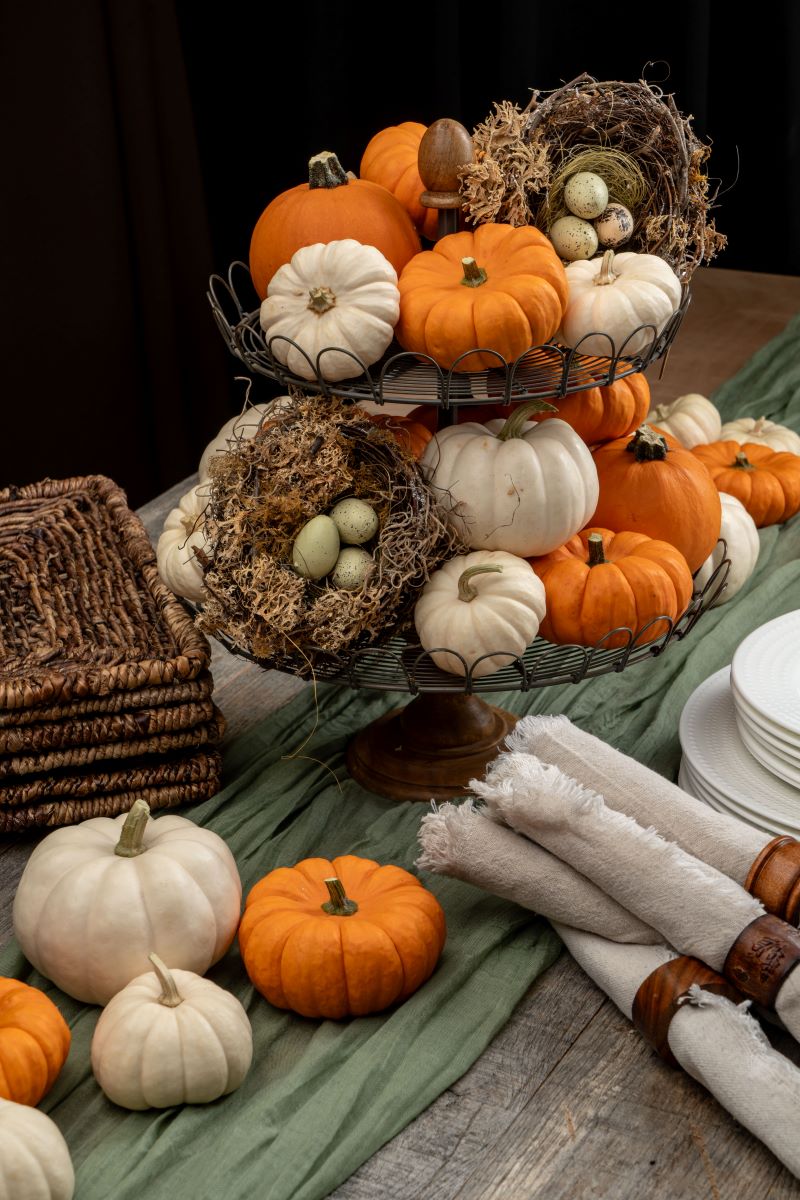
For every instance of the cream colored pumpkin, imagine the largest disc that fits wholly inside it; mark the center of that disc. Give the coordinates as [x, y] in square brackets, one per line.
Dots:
[692, 419]
[614, 295]
[336, 294]
[743, 546]
[477, 604]
[516, 485]
[34, 1158]
[244, 425]
[762, 432]
[184, 531]
[171, 1037]
[95, 899]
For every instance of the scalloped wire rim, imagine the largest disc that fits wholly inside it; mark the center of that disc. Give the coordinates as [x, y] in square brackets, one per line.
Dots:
[542, 372]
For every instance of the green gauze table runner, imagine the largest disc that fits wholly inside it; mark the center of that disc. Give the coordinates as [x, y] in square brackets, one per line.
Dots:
[322, 1095]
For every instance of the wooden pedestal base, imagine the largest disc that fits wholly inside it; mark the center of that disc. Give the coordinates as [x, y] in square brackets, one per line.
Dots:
[430, 749]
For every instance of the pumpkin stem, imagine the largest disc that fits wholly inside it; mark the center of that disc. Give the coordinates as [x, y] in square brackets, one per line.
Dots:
[465, 589]
[647, 445]
[474, 275]
[743, 461]
[325, 171]
[170, 996]
[759, 426]
[321, 299]
[662, 411]
[338, 905]
[606, 274]
[596, 555]
[130, 840]
[513, 426]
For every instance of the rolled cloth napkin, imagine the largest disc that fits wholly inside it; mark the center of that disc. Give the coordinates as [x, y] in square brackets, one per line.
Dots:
[629, 787]
[696, 908]
[459, 840]
[713, 1039]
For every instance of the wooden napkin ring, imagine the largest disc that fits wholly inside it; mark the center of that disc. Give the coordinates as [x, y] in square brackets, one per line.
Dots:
[774, 878]
[660, 994]
[761, 957]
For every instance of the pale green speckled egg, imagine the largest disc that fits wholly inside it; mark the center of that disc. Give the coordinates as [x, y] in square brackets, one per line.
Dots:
[316, 548]
[586, 195]
[352, 568]
[356, 521]
[573, 238]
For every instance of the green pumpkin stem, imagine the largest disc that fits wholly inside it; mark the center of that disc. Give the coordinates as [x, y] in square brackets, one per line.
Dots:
[170, 996]
[321, 300]
[338, 905]
[465, 589]
[130, 840]
[743, 462]
[325, 171]
[595, 545]
[474, 275]
[606, 274]
[647, 445]
[513, 427]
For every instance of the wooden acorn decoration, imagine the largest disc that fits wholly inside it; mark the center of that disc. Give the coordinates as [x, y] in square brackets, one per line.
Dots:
[445, 148]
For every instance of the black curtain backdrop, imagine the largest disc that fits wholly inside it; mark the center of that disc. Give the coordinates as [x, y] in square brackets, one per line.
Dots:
[144, 137]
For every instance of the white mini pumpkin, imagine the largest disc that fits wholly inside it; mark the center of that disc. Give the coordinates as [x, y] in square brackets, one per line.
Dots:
[741, 537]
[692, 419]
[335, 294]
[34, 1159]
[95, 899]
[480, 604]
[171, 1037]
[763, 433]
[184, 530]
[516, 485]
[614, 295]
[244, 425]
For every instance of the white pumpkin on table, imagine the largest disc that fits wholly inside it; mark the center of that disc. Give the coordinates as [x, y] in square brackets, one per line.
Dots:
[184, 532]
[239, 428]
[743, 546]
[762, 432]
[691, 419]
[34, 1159]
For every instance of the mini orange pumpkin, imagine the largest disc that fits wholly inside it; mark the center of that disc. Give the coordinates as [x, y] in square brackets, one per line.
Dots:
[600, 414]
[390, 159]
[342, 938]
[766, 481]
[412, 435]
[34, 1042]
[650, 484]
[498, 288]
[599, 581]
[331, 206]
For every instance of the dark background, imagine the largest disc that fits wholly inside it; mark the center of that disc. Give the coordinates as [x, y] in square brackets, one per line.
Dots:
[142, 139]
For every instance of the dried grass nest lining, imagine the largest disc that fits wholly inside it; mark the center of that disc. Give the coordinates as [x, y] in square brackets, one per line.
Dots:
[267, 487]
[518, 154]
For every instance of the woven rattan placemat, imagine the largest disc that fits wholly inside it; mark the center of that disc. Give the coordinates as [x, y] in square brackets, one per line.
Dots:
[189, 691]
[101, 730]
[195, 766]
[68, 812]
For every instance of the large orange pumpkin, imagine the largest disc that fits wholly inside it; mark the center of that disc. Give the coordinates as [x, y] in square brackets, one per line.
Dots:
[390, 159]
[650, 484]
[766, 481]
[341, 938]
[499, 288]
[34, 1042]
[599, 581]
[329, 207]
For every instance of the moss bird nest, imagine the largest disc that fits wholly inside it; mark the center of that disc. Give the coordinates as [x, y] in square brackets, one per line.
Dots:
[523, 158]
[317, 452]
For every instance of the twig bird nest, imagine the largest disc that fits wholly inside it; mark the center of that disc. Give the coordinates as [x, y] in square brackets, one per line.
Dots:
[522, 159]
[317, 452]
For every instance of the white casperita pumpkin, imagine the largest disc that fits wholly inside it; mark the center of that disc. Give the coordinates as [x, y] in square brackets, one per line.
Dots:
[515, 485]
[171, 1037]
[743, 545]
[244, 425]
[476, 604]
[95, 899]
[692, 419]
[762, 432]
[614, 295]
[184, 530]
[34, 1159]
[335, 294]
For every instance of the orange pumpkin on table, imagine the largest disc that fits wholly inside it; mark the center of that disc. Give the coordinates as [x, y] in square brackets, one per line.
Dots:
[34, 1042]
[650, 484]
[498, 288]
[330, 207]
[340, 938]
[599, 581]
[409, 433]
[766, 481]
[390, 159]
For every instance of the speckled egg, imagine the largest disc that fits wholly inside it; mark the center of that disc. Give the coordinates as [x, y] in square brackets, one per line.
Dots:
[352, 568]
[586, 195]
[316, 548]
[614, 226]
[356, 521]
[573, 238]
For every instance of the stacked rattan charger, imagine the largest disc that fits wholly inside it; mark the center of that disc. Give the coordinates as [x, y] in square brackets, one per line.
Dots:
[105, 688]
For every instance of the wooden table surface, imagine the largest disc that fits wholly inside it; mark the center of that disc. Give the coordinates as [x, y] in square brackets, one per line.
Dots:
[567, 1103]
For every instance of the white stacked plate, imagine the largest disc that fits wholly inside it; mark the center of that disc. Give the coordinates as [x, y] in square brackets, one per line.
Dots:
[765, 681]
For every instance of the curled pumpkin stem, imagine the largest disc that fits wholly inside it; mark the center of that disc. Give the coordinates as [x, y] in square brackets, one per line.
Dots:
[465, 589]
[514, 426]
